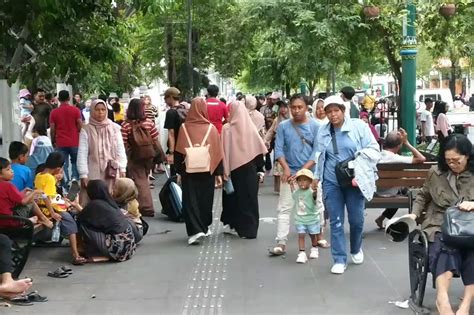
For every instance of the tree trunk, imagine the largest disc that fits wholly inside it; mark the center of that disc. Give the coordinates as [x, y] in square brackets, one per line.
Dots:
[311, 86]
[172, 75]
[287, 90]
[452, 79]
[328, 83]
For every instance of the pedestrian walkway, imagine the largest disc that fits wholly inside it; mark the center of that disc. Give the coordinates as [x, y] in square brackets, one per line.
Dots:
[226, 275]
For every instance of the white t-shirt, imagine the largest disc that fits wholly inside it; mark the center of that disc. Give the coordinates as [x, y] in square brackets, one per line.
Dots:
[389, 157]
[427, 117]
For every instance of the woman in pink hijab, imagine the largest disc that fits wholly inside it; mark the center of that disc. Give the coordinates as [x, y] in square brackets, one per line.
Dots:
[243, 153]
[100, 147]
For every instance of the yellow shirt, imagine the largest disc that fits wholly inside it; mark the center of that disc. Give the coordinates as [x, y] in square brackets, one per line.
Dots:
[47, 183]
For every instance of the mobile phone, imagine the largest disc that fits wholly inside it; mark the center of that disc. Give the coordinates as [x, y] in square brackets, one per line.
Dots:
[73, 191]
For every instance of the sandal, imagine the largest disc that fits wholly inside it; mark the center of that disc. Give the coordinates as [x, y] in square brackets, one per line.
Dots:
[79, 261]
[35, 297]
[58, 273]
[66, 269]
[277, 250]
[323, 244]
[20, 300]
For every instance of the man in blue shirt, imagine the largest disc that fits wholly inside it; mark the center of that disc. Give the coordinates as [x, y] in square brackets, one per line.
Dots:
[22, 175]
[295, 148]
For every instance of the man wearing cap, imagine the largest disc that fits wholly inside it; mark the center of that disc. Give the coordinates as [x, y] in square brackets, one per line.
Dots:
[347, 93]
[216, 109]
[394, 142]
[295, 148]
[173, 122]
[345, 144]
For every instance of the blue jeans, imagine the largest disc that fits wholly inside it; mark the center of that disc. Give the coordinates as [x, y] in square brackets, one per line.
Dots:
[336, 198]
[72, 153]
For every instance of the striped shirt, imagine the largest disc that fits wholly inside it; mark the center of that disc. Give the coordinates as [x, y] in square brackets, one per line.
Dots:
[147, 124]
[151, 112]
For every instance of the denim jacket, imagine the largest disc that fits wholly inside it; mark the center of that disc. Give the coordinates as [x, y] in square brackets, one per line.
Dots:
[366, 157]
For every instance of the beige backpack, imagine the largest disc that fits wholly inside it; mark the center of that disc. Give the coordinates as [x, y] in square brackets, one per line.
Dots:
[198, 159]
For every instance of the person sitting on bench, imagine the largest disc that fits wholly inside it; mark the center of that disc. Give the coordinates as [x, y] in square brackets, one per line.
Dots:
[446, 183]
[10, 288]
[394, 142]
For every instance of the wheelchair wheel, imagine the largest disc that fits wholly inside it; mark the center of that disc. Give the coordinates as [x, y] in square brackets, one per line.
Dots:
[418, 264]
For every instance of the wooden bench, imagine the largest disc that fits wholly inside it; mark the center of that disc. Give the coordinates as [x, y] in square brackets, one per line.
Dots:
[398, 175]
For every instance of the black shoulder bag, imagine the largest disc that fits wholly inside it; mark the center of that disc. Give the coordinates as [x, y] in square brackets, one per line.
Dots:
[458, 228]
[344, 173]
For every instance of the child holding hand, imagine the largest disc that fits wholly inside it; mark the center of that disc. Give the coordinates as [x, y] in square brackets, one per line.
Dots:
[307, 215]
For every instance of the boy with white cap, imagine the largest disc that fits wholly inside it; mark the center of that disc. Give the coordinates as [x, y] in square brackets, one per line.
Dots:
[307, 215]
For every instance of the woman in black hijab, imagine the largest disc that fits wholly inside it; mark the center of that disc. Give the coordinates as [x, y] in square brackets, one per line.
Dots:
[104, 229]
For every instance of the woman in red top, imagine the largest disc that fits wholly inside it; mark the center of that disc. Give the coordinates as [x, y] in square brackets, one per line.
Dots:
[139, 169]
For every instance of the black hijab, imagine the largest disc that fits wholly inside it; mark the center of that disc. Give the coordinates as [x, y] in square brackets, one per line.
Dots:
[102, 213]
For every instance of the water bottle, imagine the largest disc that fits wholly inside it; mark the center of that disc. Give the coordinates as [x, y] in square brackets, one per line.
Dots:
[56, 233]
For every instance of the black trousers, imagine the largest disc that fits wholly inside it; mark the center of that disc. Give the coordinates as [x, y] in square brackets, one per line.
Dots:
[389, 212]
[268, 162]
[5, 254]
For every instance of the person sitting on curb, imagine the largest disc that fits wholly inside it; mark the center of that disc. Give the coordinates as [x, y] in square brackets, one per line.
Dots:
[394, 142]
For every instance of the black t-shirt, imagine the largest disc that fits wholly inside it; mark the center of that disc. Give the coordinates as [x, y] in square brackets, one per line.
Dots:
[173, 121]
[41, 114]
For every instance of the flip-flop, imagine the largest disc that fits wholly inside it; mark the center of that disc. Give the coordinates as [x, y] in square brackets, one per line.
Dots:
[58, 273]
[20, 300]
[323, 244]
[66, 269]
[35, 297]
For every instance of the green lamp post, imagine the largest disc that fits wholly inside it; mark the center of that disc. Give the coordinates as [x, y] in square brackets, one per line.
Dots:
[408, 54]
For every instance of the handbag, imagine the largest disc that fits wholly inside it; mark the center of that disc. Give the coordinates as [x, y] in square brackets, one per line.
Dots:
[344, 170]
[198, 158]
[111, 169]
[458, 228]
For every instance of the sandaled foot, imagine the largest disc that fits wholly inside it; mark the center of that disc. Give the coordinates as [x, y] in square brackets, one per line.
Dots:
[79, 260]
[323, 244]
[13, 288]
[277, 250]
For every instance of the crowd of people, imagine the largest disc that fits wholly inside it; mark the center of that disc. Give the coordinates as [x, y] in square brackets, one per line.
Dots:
[86, 168]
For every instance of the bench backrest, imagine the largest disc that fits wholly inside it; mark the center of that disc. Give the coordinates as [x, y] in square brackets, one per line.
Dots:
[402, 175]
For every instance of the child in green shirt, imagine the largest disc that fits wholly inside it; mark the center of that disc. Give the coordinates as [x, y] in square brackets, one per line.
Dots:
[307, 215]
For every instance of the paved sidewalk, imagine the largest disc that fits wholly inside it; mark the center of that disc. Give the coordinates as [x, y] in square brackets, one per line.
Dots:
[225, 275]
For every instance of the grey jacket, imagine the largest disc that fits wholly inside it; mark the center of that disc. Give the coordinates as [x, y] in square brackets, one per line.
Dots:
[437, 195]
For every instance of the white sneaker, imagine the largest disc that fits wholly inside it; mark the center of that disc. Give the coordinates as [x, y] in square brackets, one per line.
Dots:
[228, 230]
[302, 258]
[195, 238]
[338, 268]
[358, 258]
[314, 253]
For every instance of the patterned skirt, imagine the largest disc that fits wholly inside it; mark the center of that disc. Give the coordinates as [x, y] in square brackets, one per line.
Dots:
[121, 246]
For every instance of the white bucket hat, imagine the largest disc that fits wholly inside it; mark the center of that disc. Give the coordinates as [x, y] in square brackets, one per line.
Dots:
[333, 100]
[398, 228]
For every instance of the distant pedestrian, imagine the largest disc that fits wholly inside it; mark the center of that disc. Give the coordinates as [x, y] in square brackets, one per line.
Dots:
[426, 119]
[174, 118]
[443, 128]
[352, 110]
[319, 113]
[42, 109]
[66, 124]
[216, 109]
[243, 154]
[198, 185]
